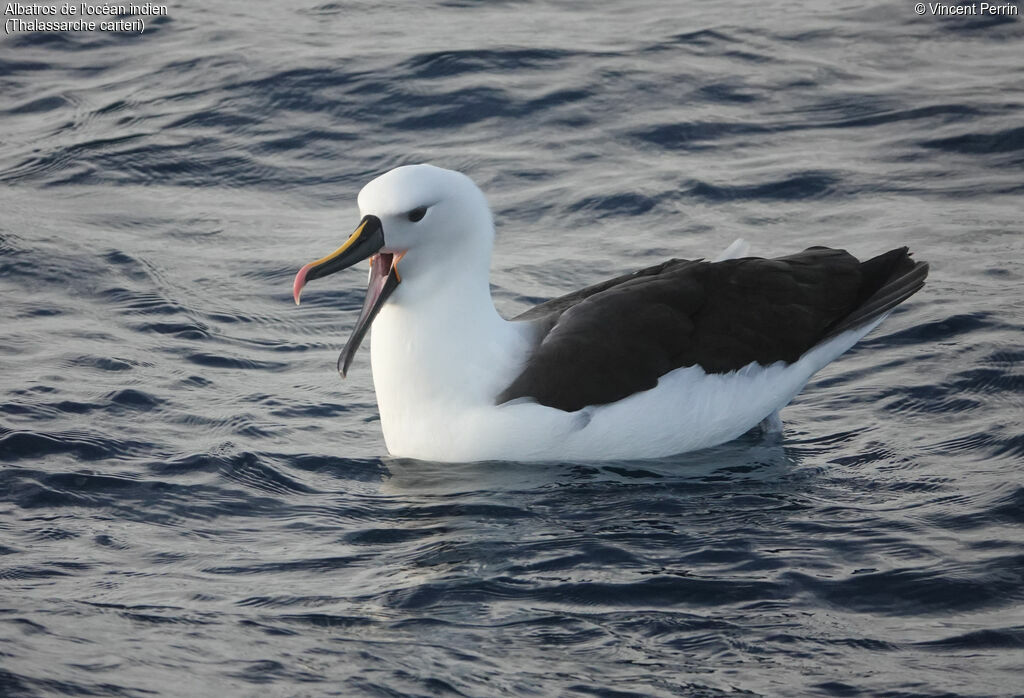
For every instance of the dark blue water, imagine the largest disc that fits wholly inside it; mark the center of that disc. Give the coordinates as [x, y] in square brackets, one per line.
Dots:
[192, 502]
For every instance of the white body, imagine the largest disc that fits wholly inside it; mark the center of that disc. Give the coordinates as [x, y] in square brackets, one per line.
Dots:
[441, 353]
[436, 399]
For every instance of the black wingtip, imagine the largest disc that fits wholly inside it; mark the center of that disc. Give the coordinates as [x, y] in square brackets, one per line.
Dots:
[889, 279]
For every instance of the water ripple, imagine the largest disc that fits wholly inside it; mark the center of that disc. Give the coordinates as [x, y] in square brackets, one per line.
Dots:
[190, 497]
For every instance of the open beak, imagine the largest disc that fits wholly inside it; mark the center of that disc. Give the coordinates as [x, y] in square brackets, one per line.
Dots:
[366, 241]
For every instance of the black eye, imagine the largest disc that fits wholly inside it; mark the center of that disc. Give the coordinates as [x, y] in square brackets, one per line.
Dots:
[417, 214]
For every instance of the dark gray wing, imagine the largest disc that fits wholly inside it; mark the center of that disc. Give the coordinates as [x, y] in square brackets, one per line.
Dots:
[613, 339]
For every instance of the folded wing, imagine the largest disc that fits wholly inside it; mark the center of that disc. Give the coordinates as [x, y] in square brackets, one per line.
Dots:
[608, 341]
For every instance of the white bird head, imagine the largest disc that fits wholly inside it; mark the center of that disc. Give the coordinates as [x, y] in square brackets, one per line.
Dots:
[436, 222]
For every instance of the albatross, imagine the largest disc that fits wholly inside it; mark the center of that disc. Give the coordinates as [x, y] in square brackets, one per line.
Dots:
[680, 356]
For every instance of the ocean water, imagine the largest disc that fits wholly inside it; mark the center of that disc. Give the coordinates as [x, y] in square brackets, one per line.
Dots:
[193, 503]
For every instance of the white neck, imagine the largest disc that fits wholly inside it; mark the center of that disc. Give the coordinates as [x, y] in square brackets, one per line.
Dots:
[439, 349]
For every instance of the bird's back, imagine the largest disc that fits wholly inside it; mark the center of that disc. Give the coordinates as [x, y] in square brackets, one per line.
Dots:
[607, 341]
